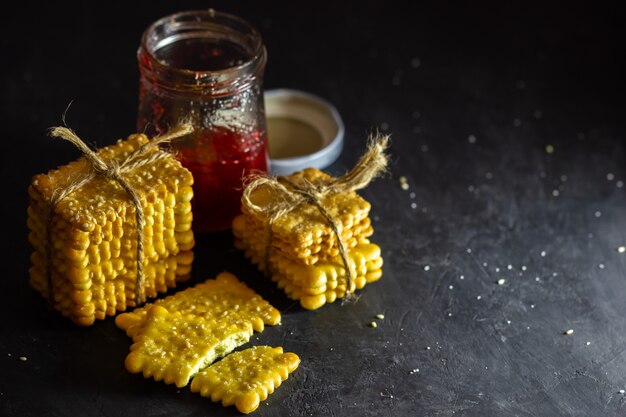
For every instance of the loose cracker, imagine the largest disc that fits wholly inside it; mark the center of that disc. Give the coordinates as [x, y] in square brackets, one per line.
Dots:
[173, 347]
[246, 378]
[224, 298]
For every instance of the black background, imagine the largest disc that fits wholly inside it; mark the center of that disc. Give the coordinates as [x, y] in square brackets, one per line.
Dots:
[518, 77]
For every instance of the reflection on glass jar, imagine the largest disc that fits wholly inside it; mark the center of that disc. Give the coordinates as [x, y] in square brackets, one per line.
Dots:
[207, 67]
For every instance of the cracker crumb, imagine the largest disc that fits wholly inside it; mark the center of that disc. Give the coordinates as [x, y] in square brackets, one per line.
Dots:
[373, 324]
[380, 316]
[568, 331]
[501, 281]
[23, 358]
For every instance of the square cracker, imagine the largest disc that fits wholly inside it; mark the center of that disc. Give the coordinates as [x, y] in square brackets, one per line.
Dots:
[246, 378]
[224, 298]
[173, 347]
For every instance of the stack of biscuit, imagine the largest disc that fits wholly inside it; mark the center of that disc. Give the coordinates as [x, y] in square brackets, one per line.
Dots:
[300, 250]
[91, 234]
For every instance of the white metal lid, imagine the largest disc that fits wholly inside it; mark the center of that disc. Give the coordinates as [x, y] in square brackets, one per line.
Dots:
[303, 131]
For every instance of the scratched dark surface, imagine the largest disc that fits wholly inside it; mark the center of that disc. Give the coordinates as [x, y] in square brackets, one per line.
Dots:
[453, 342]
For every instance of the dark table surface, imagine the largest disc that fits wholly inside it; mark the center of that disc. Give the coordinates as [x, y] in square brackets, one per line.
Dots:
[471, 97]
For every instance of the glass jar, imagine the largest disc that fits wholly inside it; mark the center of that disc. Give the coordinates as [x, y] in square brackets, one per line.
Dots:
[207, 67]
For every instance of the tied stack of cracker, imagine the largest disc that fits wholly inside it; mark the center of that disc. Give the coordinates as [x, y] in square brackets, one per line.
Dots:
[310, 232]
[178, 338]
[111, 228]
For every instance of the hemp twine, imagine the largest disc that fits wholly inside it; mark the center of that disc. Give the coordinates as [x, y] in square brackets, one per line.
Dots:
[114, 171]
[288, 195]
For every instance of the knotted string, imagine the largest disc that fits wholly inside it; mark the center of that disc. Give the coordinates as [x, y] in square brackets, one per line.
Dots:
[287, 196]
[144, 155]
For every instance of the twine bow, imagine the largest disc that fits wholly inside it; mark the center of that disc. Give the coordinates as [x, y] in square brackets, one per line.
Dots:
[288, 195]
[144, 155]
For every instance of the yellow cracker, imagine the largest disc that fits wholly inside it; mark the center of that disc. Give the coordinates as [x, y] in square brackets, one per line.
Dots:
[305, 222]
[312, 300]
[224, 298]
[307, 252]
[325, 271]
[364, 258]
[246, 378]
[173, 347]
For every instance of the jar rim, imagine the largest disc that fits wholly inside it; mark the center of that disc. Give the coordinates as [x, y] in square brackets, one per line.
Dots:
[209, 15]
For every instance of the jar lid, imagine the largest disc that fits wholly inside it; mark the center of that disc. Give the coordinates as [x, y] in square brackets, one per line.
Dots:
[303, 131]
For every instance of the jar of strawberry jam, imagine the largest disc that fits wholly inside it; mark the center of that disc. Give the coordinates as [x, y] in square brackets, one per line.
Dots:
[207, 67]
